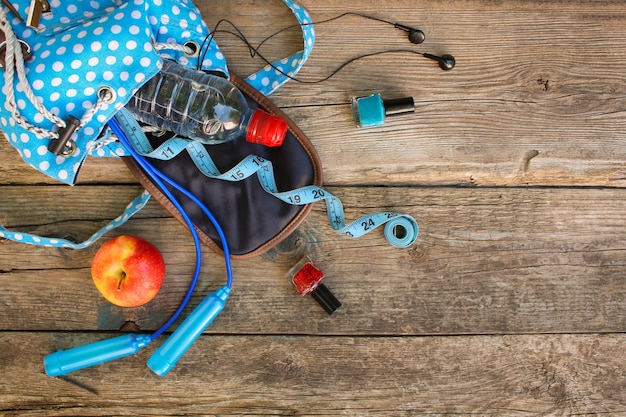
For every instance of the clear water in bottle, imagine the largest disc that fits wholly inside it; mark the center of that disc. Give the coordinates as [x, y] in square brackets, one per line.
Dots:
[204, 107]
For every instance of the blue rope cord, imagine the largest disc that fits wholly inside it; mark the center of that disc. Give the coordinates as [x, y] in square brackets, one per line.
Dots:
[158, 178]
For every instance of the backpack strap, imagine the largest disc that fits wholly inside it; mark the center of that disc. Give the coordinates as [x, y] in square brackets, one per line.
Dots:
[273, 76]
[137, 204]
[266, 80]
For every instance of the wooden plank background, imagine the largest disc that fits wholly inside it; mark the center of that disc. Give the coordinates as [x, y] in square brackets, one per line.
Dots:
[511, 302]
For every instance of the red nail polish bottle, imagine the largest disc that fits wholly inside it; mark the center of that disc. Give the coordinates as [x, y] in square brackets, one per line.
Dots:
[308, 280]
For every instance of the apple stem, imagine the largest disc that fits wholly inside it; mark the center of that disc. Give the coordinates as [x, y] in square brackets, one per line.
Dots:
[119, 283]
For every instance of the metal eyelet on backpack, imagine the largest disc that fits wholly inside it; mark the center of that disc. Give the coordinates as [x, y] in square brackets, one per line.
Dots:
[106, 94]
[26, 50]
[194, 47]
[69, 149]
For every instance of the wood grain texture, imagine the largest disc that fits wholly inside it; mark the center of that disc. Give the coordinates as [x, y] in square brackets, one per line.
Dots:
[511, 302]
[533, 99]
[500, 261]
[528, 375]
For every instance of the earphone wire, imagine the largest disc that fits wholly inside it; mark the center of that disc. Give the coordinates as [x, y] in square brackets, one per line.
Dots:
[254, 50]
[320, 22]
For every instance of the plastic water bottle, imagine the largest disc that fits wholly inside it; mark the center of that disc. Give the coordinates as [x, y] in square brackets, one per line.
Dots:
[204, 107]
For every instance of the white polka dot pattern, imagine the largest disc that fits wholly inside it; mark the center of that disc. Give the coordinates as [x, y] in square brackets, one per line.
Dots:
[270, 78]
[83, 46]
[133, 208]
[87, 44]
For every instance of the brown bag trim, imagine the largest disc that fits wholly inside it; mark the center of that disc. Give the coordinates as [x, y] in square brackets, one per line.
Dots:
[270, 107]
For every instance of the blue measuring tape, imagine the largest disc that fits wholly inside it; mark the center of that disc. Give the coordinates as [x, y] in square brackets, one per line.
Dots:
[400, 230]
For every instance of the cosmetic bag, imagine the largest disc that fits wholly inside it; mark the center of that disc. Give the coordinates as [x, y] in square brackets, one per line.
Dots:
[65, 78]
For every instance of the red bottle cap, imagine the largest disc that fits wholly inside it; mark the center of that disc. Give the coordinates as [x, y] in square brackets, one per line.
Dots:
[266, 129]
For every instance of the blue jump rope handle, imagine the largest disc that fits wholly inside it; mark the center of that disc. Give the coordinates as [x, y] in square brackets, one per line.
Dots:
[166, 356]
[63, 362]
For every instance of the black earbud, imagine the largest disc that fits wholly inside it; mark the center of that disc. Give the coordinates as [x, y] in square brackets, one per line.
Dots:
[446, 62]
[415, 35]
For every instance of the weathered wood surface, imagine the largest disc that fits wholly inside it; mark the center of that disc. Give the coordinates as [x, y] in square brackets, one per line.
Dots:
[512, 302]
[500, 261]
[527, 375]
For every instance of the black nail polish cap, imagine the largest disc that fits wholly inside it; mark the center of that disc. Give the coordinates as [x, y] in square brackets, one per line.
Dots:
[326, 299]
[399, 106]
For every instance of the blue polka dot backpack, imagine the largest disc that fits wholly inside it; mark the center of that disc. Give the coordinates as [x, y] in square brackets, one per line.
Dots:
[70, 67]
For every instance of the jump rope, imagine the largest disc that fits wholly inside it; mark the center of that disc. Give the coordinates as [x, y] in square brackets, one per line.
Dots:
[61, 363]
[122, 125]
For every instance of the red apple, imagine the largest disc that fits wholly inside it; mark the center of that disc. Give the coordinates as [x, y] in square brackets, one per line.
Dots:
[128, 271]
